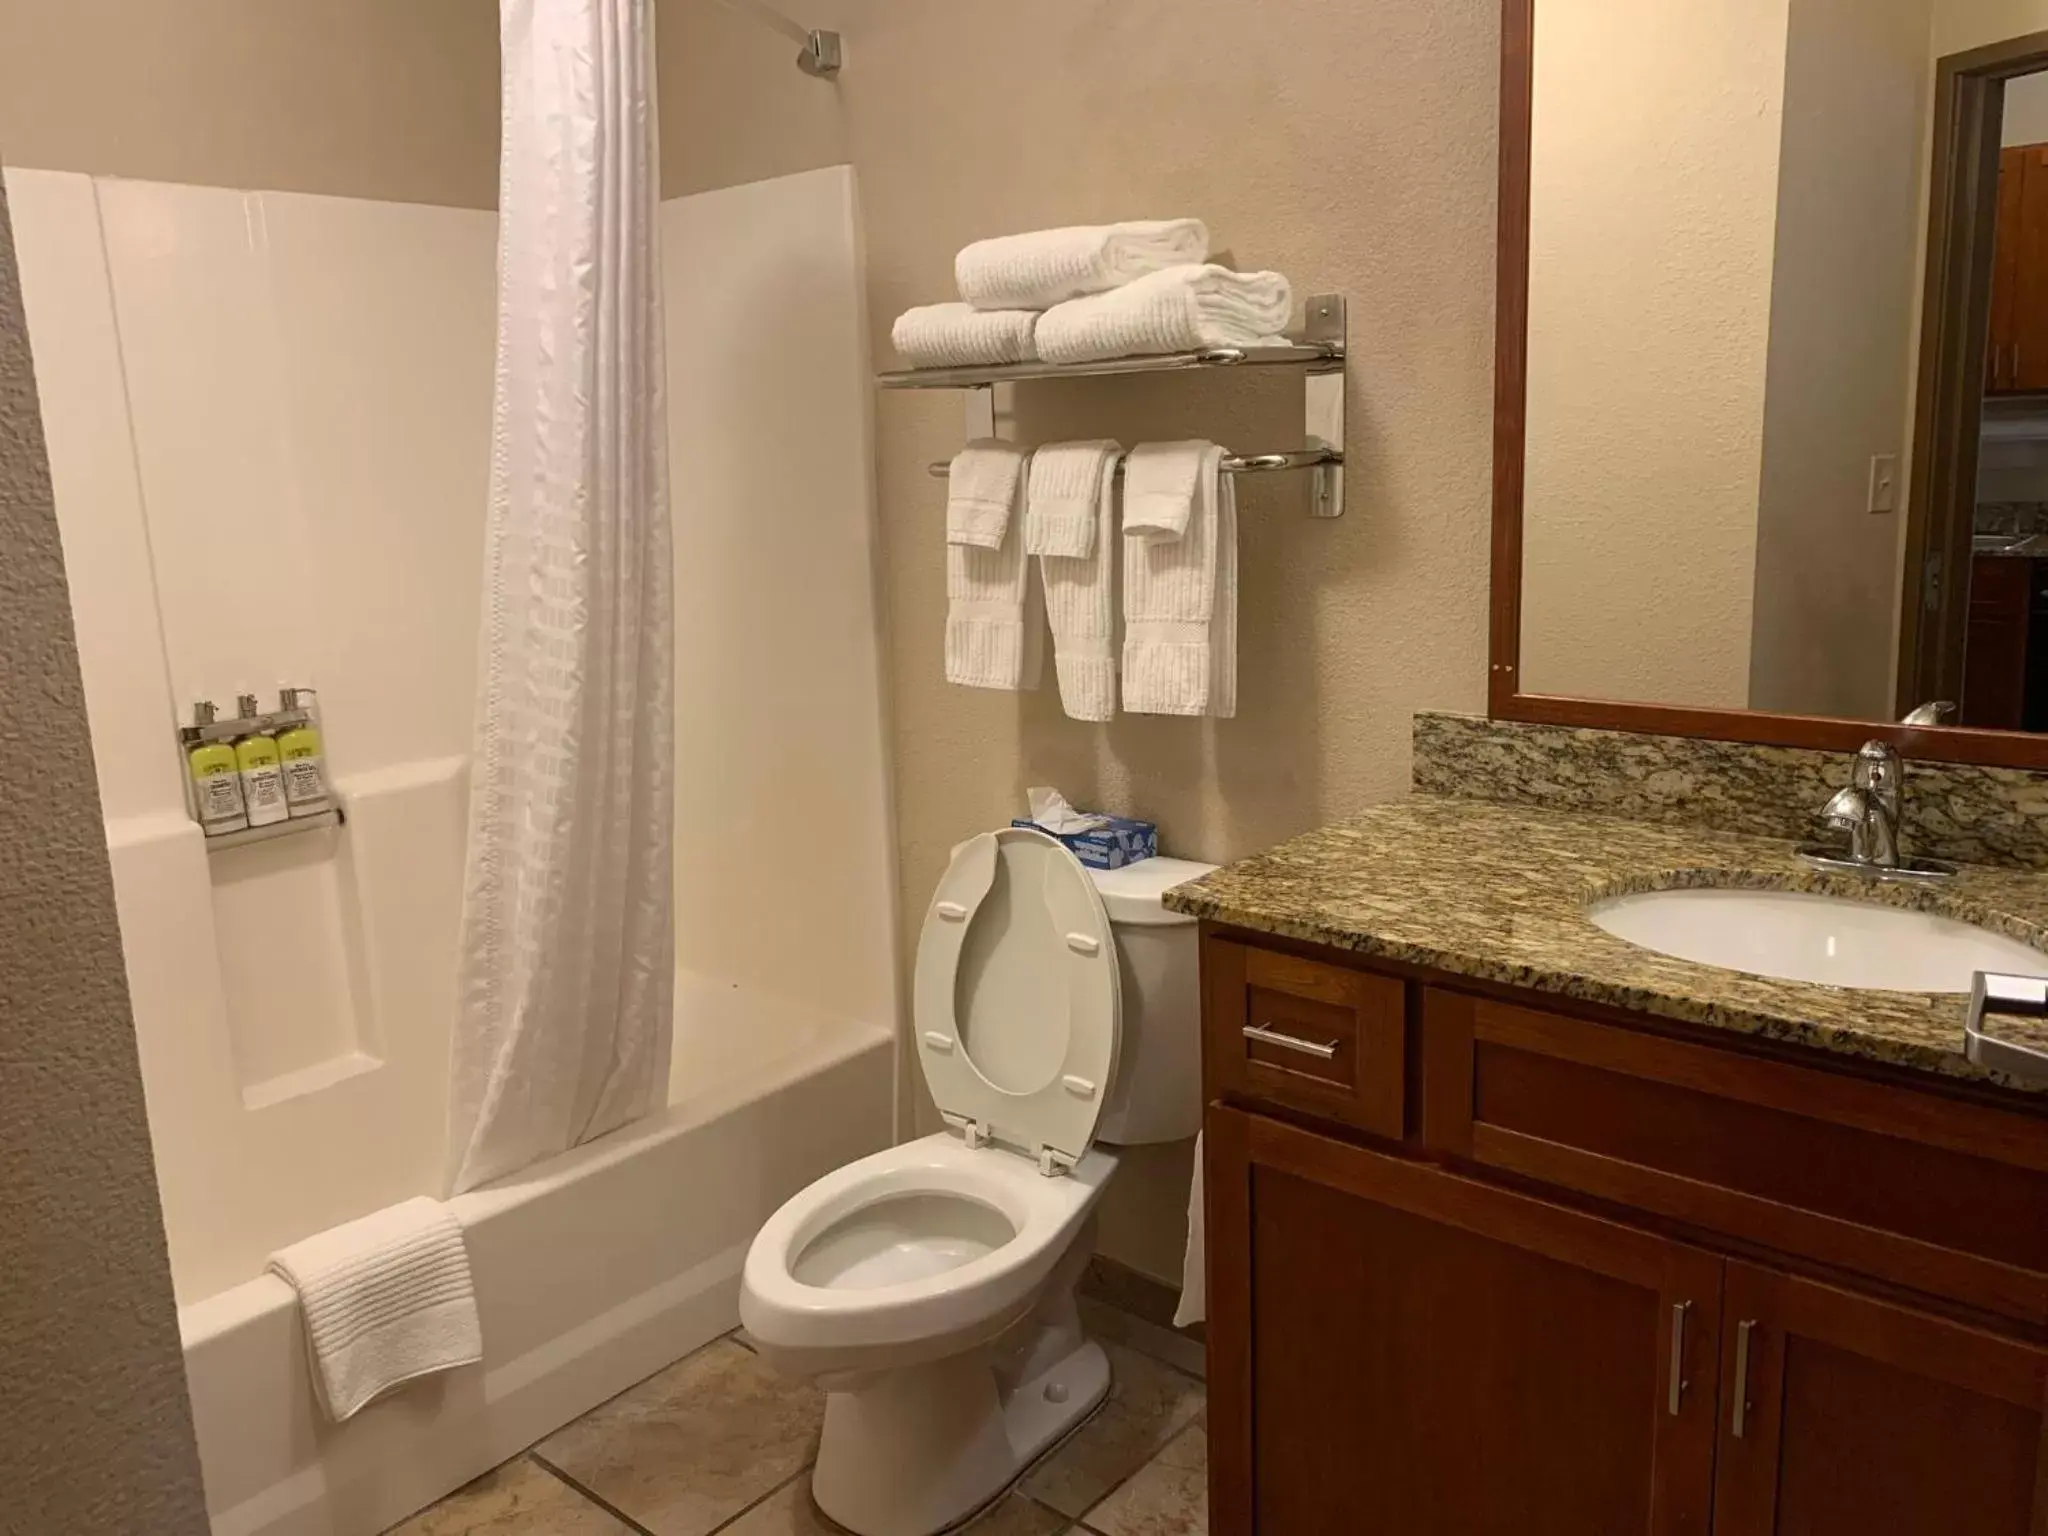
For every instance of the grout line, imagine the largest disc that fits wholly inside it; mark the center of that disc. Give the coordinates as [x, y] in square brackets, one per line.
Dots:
[599, 1500]
[742, 1513]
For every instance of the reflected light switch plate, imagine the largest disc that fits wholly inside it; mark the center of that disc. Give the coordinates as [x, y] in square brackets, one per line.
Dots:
[1884, 483]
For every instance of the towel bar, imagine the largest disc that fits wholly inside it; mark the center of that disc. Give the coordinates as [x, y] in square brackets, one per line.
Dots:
[1319, 353]
[1233, 464]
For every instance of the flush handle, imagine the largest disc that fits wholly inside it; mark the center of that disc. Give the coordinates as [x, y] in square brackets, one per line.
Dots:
[1322, 1050]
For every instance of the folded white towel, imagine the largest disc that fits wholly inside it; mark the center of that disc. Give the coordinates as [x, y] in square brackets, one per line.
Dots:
[1181, 309]
[995, 619]
[1159, 487]
[981, 489]
[1180, 607]
[385, 1300]
[1070, 487]
[960, 336]
[1039, 269]
[1072, 529]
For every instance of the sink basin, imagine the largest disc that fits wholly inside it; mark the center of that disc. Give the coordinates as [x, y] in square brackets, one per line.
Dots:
[1802, 936]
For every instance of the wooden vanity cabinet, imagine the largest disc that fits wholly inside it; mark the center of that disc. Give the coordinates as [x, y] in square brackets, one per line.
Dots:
[1531, 1299]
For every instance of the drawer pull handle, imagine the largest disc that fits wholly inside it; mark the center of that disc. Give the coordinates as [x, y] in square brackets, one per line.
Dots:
[1322, 1050]
[1741, 1420]
[1678, 1383]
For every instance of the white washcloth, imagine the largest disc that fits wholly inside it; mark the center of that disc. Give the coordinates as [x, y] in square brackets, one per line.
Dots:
[385, 1300]
[1070, 489]
[1194, 1260]
[995, 619]
[1072, 529]
[981, 489]
[1181, 309]
[958, 335]
[1039, 269]
[1180, 607]
[1159, 487]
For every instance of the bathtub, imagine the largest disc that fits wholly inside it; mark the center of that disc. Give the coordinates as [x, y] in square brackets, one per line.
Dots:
[593, 1270]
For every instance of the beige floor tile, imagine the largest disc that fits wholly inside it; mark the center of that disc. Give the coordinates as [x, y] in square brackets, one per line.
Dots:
[1149, 1403]
[691, 1447]
[518, 1499]
[789, 1512]
[1169, 1496]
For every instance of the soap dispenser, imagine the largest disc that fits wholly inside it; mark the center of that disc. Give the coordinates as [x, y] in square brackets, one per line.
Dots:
[262, 779]
[216, 779]
[298, 750]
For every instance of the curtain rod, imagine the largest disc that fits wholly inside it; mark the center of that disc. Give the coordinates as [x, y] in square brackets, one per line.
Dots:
[820, 52]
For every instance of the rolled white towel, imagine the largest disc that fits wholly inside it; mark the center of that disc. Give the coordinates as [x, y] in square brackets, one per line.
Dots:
[1180, 309]
[1042, 268]
[955, 335]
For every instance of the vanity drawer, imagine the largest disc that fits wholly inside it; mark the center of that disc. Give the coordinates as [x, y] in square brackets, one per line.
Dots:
[1936, 1194]
[1322, 1039]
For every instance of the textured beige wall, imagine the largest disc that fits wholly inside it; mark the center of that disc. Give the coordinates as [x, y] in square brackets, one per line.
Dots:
[95, 1433]
[1351, 147]
[734, 106]
[1858, 85]
[395, 99]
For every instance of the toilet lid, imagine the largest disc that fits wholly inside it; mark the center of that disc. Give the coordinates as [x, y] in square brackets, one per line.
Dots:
[1015, 999]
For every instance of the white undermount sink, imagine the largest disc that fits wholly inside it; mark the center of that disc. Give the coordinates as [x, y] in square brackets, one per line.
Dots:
[1803, 936]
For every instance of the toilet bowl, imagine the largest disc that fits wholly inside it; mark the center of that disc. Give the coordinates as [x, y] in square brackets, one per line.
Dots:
[929, 1288]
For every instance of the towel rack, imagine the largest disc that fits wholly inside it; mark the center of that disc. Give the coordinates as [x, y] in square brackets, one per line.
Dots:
[1319, 352]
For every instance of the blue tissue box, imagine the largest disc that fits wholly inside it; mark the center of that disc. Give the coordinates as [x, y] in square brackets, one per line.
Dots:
[1123, 841]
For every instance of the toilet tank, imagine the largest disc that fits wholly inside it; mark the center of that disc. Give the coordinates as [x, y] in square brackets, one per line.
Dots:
[1157, 1094]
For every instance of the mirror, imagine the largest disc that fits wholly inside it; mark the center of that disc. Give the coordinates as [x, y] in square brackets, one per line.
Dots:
[1780, 335]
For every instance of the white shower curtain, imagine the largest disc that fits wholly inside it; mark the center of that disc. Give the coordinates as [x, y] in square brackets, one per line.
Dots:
[568, 938]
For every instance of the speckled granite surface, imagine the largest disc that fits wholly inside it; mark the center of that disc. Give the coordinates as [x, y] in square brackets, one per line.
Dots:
[1499, 892]
[1953, 810]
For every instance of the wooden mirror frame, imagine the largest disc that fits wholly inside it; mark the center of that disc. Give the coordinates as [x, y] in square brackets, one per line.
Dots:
[1968, 106]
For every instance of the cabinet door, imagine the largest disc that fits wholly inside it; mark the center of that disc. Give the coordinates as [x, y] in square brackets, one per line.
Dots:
[1847, 1416]
[1395, 1349]
[2005, 255]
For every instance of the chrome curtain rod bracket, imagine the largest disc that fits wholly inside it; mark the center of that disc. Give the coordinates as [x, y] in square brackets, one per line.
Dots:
[1319, 352]
[820, 55]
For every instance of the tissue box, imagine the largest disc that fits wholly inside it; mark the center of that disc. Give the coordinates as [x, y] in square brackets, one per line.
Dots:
[1123, 841]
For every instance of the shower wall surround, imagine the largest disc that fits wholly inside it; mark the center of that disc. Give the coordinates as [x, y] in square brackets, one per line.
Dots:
[290, 395]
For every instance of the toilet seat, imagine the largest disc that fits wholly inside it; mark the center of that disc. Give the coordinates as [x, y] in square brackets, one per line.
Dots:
[1015, 998]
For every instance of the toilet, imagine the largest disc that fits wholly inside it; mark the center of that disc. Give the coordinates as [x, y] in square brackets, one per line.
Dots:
[929, 1289]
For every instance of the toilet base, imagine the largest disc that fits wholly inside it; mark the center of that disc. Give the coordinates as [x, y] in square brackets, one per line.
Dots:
[917, 1451]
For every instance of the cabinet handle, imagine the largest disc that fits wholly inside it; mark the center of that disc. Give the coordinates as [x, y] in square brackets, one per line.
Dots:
[1997, 363]
[1742, 1332]
[1322, 1050]
[1678, 1383]
[2015, 365]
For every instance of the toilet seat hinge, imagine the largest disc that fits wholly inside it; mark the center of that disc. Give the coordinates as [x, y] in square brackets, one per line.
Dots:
[1052, 1162]
[973, 1131]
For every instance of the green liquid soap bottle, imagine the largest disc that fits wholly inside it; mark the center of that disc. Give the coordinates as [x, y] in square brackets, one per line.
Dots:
[298, 748]
[216, 780]
[262, 778]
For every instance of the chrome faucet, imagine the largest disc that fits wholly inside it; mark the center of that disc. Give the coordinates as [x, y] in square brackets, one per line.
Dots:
[1868, 810]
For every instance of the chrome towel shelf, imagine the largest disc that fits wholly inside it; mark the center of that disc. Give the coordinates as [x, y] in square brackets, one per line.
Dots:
[1319, 352]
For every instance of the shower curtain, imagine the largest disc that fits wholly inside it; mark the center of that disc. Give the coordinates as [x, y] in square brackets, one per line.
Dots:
[568, 939]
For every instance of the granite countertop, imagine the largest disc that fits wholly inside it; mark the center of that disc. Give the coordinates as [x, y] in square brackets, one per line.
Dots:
[1499, 892]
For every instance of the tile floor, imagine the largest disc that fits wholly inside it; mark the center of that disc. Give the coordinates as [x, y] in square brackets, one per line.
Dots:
[718, 1442]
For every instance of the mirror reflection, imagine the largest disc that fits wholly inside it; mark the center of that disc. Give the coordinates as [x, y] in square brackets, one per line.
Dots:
[1732, 205]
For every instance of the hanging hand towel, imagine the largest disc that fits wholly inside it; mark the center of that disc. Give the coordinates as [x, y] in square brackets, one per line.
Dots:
[995, 620]
[385, 1300]
[981, 488]
[1180, 607]
[961, 336]
[1159, 487]
[1039, 269]
[1194, 1260]
[1070, 485]
[1069, 523]
[1181, 309]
